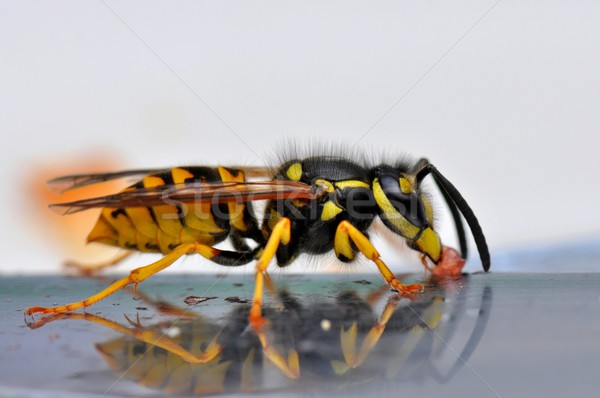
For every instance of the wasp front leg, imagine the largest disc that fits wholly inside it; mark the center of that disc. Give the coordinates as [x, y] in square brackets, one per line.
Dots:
[347, 232]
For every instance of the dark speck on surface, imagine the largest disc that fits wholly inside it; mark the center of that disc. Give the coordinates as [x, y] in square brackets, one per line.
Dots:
[193, 300]
[236, 299]
[141, 308]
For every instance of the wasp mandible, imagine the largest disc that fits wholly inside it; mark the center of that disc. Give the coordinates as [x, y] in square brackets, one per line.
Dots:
[315, 204]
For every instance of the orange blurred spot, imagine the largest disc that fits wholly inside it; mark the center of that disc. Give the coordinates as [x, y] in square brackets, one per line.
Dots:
[68, 233]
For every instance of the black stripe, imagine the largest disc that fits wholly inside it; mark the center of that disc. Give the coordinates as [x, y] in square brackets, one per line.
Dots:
[201, 173]
[115, 213]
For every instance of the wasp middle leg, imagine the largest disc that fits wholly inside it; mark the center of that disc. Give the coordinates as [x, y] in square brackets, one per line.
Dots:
[280, 235]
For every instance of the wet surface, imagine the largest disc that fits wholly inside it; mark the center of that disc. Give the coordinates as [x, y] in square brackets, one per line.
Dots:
[486, 335]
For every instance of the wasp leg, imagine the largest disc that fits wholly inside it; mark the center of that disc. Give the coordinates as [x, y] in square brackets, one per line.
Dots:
[147, 336]
[348, 339]
[430, 318]
[346, 232]
[279, 235]
[90, 269]
[138, 275]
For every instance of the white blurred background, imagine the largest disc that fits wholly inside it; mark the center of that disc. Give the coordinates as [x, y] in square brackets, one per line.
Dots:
[503, 97]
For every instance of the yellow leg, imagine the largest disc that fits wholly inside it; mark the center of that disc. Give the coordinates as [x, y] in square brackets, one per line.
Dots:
[147, 336]
[279, 235]
[136, 276]
[89, 269]
[347, 231]
[348, 338]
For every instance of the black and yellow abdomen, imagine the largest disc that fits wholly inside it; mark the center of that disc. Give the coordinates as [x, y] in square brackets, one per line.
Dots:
[162, 228]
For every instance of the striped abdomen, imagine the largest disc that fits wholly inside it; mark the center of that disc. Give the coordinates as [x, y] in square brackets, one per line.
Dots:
[162, 228]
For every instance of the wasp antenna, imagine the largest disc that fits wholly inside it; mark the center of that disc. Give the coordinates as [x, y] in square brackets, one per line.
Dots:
[456, 200]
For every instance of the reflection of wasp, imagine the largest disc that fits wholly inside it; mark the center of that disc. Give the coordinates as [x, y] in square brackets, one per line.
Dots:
[314, 205]
[339, 343]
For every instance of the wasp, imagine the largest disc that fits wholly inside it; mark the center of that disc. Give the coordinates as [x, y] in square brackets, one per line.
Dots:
[314, 204]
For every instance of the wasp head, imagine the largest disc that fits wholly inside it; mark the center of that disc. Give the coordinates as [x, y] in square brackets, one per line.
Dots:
[406, 211]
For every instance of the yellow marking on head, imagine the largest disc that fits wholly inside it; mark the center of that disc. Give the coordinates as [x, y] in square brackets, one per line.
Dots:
[180, 175]
[405, 185]
[153, 181]
[330, 210]
[351, 184]
[294, 172]
[393, 216]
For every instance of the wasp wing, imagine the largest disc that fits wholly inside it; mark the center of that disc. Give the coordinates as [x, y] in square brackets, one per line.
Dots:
[176, 194]
[256, 171]
[72, 181]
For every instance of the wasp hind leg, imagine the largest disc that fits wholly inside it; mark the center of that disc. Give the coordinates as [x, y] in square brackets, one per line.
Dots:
[347, 232]
[151, 337]
[138, 275]
[91, 269]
